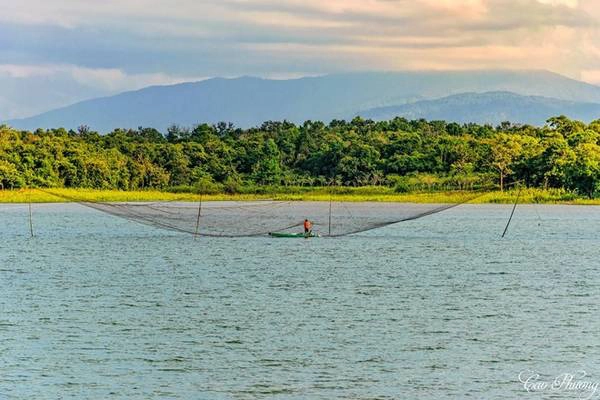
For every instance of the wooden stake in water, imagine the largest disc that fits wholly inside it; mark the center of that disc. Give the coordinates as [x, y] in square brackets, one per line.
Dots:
[198, 218]
[512, 212]
[330, 200]
[30, 215]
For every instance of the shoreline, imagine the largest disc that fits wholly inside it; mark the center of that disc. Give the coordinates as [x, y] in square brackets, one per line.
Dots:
[528, 196]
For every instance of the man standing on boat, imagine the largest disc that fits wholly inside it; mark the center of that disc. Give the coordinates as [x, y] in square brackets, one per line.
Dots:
[307, 227]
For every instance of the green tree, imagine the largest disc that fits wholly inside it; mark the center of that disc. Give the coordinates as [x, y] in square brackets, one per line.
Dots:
[504, 150]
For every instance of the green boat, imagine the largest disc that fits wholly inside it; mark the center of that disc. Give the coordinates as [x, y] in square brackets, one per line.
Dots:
[293, 235]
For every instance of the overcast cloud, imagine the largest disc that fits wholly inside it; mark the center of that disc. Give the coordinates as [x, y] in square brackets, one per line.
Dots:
[85, 48]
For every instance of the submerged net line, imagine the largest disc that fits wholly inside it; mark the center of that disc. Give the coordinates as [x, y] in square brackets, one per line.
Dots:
[260, 218]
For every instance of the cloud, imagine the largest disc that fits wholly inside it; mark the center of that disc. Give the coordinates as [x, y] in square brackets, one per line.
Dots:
[109, 79]
[592, 76]
[114, 45]
[24, 71]
[57, 85]
[567, 3]
[114, 79]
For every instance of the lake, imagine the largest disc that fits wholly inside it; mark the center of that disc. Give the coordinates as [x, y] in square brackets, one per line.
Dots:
[97, 307]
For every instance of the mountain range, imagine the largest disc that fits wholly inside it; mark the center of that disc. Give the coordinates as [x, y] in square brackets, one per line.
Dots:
[465, 96]
[490, 107]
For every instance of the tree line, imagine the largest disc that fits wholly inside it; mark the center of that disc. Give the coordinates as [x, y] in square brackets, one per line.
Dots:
[407, 155]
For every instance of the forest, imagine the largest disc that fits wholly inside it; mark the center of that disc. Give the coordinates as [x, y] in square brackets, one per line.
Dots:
[405, 155]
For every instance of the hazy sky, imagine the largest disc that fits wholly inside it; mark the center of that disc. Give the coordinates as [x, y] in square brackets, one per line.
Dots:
[53, 52]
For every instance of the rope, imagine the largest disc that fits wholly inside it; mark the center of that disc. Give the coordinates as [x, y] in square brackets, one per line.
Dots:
[512, 212]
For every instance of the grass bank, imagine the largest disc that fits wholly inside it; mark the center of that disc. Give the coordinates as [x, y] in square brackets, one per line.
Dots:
[298, 194]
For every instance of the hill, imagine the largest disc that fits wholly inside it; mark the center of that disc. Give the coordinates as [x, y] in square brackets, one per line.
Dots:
[488, 108]
[250, 101]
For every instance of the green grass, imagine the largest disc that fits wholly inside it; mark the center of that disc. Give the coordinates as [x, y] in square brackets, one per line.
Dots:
[312, 194]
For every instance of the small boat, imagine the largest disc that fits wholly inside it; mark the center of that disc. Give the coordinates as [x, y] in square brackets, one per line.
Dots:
[293, 235]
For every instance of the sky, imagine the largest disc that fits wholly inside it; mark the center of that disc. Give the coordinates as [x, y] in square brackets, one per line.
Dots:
[56, 52]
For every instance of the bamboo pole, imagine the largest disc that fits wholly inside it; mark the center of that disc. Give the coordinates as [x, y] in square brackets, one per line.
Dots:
[198, 218]
[330, 201]
[512, 212]
[30, 213]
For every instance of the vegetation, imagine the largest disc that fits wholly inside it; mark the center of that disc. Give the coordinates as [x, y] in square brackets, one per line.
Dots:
[395, 158]
[379, 193]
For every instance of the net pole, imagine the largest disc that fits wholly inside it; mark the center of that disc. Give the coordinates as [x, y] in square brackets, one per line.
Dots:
[30, 213]
[198, 218]
[330, 201]
[512, 212]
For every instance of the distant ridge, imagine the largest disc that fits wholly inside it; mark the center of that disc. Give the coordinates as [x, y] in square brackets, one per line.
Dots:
[491, 107]
[249, 101]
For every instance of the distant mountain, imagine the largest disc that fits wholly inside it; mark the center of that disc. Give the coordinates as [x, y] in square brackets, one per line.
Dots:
[250, 101]
[491, 107]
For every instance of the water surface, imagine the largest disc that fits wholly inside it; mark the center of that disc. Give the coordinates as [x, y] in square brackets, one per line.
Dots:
[95, 307]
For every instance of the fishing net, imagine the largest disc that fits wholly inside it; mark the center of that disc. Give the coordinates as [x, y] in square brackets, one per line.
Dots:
[258, 218]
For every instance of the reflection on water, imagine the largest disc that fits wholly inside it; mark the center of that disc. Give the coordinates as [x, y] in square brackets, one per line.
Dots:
[95, 307]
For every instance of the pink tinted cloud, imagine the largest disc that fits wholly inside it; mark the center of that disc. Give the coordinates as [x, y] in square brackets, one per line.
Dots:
[560, 35]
